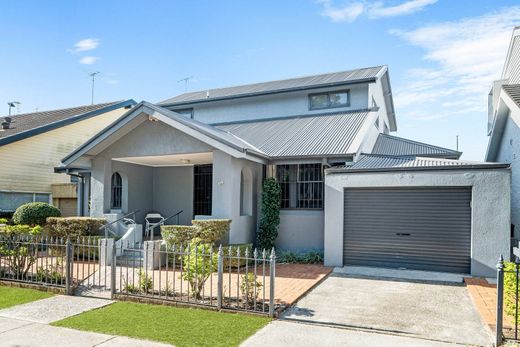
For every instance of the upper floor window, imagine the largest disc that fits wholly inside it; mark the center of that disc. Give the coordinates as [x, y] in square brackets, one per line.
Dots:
[117, 191]
[339, 98]
[301, 185]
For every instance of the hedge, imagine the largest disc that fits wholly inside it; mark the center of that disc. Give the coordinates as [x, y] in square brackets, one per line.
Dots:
[212, 230]
[35, 213]
[234, 262]
[74, 226]
[178, 234]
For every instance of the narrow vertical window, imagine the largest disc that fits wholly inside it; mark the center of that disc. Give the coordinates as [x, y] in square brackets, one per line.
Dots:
[117, 191]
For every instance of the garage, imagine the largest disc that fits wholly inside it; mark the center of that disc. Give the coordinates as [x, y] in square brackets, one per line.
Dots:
[418, 213]
[408, 228]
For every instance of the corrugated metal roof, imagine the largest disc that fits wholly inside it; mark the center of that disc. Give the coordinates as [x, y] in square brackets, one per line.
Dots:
[383, 163]
[29, 121]
[397, 146]
[276, 86]
[317, 135]
[513, 90]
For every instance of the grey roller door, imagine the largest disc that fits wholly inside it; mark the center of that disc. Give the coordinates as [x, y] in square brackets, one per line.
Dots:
[417, 228]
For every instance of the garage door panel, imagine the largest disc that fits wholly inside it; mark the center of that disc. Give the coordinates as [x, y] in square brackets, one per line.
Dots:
[436, 224]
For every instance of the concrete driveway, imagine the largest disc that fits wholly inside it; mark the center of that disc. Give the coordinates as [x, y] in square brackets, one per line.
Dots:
[429, 311]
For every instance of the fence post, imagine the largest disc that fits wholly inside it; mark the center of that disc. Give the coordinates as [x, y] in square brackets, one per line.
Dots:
[68, 269]
[220, 277]
[272, 276]
[113, 272]
[500, 300]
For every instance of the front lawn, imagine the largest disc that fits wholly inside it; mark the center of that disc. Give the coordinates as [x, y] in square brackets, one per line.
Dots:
[10, 296]
[177, 326]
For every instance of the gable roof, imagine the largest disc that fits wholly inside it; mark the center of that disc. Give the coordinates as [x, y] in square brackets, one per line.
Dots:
[31, 124]
[513, 90]
[396, 146]
[375, 163]
[327, 134]
[171, 118]
[279, 86]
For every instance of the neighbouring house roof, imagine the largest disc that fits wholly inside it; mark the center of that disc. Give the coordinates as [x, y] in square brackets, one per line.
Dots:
[374, 163]
[328, 134]
[513, 90]
[396, 146]
[30, 124]
[291, 84]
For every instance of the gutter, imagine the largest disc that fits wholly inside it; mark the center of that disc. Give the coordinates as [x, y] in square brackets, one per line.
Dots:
[424, 168]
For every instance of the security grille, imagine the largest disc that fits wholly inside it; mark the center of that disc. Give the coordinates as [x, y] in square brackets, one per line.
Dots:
[202, 186]
[301, 186]
[117, 191]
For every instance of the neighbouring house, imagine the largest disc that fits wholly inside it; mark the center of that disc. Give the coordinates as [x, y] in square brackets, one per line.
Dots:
[32, 144]
[349, 188]
[504, 125]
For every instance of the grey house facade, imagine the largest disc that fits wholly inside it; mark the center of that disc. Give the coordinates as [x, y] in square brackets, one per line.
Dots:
[206, 153]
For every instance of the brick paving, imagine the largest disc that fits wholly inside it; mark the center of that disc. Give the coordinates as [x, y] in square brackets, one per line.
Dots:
[484, 296]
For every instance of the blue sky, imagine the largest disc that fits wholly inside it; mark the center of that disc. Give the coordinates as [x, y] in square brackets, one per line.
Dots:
[442, 55]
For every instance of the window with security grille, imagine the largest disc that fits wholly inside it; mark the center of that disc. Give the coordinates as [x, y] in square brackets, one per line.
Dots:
[202, 190]
[117, 191]
[301, 186]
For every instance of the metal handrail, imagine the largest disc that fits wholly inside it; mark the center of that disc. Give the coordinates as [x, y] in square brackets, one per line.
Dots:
[152, 226]
[117, 220]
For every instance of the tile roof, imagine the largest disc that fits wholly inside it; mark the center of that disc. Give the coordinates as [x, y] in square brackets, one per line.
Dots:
[22, 123]
[326, 134]
[335, 78]
[397, 146]
[390, 163]
[513, 90]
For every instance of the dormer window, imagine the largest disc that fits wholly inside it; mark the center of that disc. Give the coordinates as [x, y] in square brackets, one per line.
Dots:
[339, 98]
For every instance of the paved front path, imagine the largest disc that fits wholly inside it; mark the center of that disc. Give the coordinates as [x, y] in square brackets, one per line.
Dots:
[14, 332]
[285, 333]
[27, 325]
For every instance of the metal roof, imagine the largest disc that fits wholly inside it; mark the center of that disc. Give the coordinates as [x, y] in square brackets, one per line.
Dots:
[397, 146]
[329, 134]
[315, 81]
[513, 90]
[370, 163]
[30, 124]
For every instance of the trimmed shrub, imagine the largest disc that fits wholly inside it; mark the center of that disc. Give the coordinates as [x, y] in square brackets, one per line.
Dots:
[178, 234]
[270, 214]
[74, 226]
[4, 220]
[311, 257]
[211, 230]
[35, 213]
[20, 229]
[234, 262]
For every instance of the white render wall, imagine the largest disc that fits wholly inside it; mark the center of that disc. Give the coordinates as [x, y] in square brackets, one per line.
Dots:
[300, 230]
[276, 105]
[490, 208]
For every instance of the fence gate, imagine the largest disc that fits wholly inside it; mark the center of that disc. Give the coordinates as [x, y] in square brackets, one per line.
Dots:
[90, 266]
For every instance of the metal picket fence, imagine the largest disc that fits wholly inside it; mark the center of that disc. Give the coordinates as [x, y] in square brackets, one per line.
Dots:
[225, 278]
[508, 288]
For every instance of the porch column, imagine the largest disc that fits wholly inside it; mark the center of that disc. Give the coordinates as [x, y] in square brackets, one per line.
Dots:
[100, 186]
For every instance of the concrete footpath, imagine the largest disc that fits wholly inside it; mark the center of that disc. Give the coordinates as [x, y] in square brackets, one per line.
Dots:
[27, 325]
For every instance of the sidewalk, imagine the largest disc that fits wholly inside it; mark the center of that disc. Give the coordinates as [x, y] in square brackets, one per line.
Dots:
[27, 325]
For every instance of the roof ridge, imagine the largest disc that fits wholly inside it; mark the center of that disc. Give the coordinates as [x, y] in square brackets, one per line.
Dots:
[63, 109]
[418, 142]
[305, 115]
[283, 79]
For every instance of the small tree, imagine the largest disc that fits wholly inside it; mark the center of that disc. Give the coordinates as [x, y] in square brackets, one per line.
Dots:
[199, 263]
[270, 214]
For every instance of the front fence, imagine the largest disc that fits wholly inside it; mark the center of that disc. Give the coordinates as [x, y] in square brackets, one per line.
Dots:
[225, 278]
[230, 277]
[507, 301]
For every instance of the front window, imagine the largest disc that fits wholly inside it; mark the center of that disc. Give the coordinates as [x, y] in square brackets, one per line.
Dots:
[329, 100]
[301, 186]
[117, 191]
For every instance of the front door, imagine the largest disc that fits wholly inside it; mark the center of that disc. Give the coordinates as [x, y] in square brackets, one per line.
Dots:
[202, 190]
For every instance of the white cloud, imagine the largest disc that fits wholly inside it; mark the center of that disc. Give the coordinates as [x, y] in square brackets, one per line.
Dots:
[462, 59]
[85, 45]
[351, 10]
[88, 60]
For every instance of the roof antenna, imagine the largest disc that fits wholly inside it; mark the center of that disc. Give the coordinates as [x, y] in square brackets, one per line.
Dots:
[185, 80]
[93, 75]
[457, 144]
[12, 104]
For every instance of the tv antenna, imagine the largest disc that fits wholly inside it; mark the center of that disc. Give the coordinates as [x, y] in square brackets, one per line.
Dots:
[12, 104]
[93, 75]
[185, 80]
[457, 142]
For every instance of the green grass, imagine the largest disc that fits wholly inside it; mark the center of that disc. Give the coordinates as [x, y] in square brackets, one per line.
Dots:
[10, 296]
[178, 326]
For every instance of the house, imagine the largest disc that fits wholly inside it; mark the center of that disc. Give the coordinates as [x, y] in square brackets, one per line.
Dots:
[32, 144]
[206, 154]
[504, 125]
